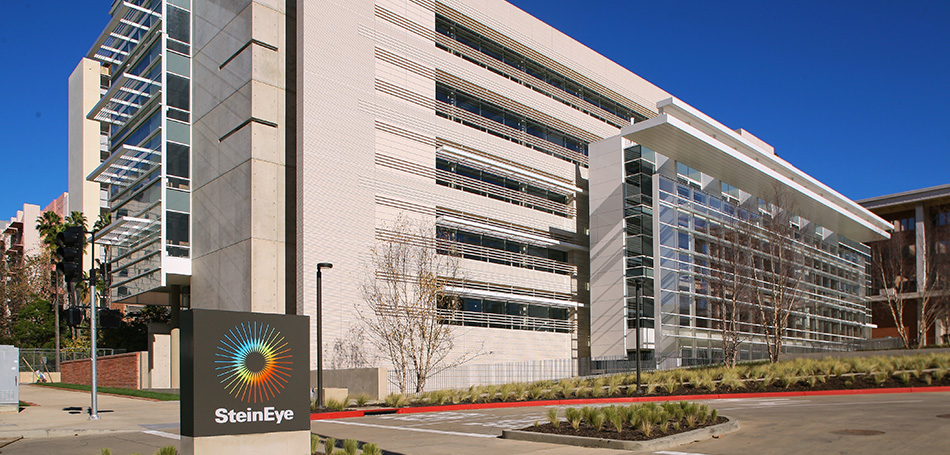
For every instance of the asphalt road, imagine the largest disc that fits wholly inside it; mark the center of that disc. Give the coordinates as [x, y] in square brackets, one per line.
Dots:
[907, 423]
[900, 423]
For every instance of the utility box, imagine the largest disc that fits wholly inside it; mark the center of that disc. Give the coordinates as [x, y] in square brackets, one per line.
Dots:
[9, 379]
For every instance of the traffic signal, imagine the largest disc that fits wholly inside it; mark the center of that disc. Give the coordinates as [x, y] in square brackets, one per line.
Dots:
[74, 316]
[69, 253]
[110, 319]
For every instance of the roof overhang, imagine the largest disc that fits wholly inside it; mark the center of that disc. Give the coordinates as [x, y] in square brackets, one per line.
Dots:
[908, 199]
[687, 135]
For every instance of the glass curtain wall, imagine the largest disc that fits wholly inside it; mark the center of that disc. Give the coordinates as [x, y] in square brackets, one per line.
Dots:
[832, 312]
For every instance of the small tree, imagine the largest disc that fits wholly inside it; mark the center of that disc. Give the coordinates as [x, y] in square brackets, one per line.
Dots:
[894, 272]
[933, 289]
[730, 285]
[779, 270]
[407, 305]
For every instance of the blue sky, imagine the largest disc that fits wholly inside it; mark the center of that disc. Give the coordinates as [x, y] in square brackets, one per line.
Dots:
[855, 93]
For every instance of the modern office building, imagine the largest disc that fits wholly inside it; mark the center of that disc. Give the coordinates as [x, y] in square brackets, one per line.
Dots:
[920, 229]
[246, 142]
[130, 129]
[663, 191]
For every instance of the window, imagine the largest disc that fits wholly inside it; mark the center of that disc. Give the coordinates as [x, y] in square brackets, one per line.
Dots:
[688, 174]
[511, 59]
[730, 192]
[177, 92]
[904, 224]
[511, 119]
[943, 218]
[178, 159]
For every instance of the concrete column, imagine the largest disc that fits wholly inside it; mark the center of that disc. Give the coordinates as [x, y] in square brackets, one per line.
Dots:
[920, 234]
[174, 303]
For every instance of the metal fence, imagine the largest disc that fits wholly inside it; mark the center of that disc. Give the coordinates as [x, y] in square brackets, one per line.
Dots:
[465, 376]
[44, 360]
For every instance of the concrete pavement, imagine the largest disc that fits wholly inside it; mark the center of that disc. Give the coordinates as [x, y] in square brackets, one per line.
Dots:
[64, 413]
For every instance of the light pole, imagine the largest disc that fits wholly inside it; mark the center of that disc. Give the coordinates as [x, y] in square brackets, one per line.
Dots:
[319, 318]
[94, 408]
[637, 325]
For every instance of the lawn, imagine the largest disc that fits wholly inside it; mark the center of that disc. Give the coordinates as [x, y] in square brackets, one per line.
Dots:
[160, 396]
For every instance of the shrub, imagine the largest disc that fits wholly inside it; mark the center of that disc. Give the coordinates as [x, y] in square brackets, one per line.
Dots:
[105, 451]
[536, 392]
[552, 417]
[573, 417]
[361, 399]
[396, 400]
[314, 443]
[507, 390]
[371, 449]
[671, 385]
[350, 446]
[335, 405]
[598, 421]
[167, 450]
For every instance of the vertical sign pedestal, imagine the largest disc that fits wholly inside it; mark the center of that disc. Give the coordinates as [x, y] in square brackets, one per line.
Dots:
[245, 381]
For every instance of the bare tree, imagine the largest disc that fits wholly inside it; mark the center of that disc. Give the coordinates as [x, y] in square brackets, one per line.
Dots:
[933, 287]
[730, 285]
[348, 352]
[408, 306]
[893, 272]
[779, 270]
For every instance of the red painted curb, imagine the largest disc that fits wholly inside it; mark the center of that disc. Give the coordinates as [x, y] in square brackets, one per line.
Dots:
[583, 401]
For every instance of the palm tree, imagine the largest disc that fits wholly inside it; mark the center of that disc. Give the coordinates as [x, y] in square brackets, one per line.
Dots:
[49, 224]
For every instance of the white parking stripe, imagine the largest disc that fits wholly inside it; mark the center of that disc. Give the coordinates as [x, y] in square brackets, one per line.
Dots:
[667, 452]
[755, 406]
[163, 434]
[420, 430]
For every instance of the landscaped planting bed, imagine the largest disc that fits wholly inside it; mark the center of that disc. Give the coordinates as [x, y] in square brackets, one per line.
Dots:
[879, 372]
[920, 370]
[638, 422]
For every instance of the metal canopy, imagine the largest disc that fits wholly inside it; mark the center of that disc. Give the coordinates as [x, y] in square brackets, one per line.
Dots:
[129, 24]
[125, 231]
[125, 97]
[126, 165]
[683, 134]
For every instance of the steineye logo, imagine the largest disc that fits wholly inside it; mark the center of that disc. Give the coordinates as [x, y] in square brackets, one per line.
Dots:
[254, 362]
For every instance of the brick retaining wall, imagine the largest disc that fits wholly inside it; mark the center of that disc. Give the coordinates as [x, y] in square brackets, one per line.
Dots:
[121, 370]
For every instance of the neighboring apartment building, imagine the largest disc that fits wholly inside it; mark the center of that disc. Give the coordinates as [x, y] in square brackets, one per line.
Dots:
[20, 237]
[248, 142]
[663, 191]
[920, 224]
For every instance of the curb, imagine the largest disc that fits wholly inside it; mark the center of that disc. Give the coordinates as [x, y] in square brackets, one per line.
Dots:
[579, 401]
[667, 442]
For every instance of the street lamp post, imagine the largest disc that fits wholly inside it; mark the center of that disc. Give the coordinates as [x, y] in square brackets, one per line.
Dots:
[639, 297]
[94, 406]
[319, 318]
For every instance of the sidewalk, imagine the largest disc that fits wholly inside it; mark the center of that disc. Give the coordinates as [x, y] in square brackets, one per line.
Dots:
[60, 412]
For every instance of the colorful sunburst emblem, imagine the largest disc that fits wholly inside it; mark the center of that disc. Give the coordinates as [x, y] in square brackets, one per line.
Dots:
[255, 362]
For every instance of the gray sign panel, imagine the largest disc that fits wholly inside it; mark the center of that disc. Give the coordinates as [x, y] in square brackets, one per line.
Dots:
[244, 373]
[10, 376]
